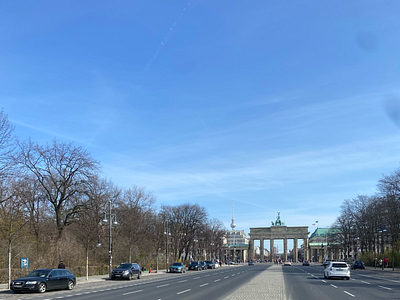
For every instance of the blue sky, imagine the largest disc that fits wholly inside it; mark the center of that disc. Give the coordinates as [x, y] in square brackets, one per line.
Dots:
[289, 106]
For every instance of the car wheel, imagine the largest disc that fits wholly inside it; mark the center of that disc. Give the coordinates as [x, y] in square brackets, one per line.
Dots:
[70, 285]
[130, 276]
[139, 276]
[42, 287]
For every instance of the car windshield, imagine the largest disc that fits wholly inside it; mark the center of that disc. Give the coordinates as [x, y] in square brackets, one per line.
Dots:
[194, 263]
[209, 262]
[38, 273]
[339, 265]
[177, 264]
[124, 266]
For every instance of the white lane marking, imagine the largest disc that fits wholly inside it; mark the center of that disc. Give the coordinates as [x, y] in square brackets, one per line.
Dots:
[384, 287]
[233, 274]
[226, 277]
[349, 294]
[365, 282]
[132, 292]
[217, 280]
[196, 278]
[183, 292]
[163, 285]
[206, 275]
[395, 281]
[203, 285]
[334, 286]
[323, 281]
[182, 281]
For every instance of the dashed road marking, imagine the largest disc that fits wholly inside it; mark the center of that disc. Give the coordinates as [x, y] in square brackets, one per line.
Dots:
[384, 287]
[203, 285]
[132, 292]
[183, 292]
[349, 294]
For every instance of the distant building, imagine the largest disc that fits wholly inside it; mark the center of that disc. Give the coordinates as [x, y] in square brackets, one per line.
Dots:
[236, 243]
[323, 244]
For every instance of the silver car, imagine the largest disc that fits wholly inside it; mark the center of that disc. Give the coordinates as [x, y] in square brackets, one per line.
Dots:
[337, 269]
[177, 267]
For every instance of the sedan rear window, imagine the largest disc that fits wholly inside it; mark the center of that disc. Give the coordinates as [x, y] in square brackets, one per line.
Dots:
[339, 266]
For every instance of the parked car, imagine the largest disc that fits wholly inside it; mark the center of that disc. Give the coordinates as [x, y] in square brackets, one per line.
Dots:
[357, 265]
[251, 262]
[195, 265]
[126, 271]
[326, 262]
[177, 267]
[42, 280]
[203, 265]
[306, 263]
[210, 264]
[337, 269]
[216, 264]
[287, 263]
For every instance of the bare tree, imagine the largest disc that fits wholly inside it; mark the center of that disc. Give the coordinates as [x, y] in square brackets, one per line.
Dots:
[12, 222]
[7, 145]
[135, 211]
[63, 171]
[184, 222]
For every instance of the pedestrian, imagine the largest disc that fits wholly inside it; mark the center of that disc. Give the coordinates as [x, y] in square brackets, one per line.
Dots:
[61, 265]
[386, 263]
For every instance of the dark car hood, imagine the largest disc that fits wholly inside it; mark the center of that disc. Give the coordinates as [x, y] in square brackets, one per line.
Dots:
[121, 269]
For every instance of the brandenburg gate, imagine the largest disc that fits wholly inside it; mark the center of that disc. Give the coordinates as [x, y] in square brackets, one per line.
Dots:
[278, 231]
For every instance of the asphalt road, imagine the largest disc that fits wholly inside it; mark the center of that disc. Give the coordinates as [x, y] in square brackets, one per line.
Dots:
[207, 284]
[302, 282]
[262, 281]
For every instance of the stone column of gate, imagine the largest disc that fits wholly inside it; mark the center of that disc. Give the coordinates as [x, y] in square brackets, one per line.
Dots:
[262, 249]
[271, 250]
[295, 250]
[251, 254]
[285, 249]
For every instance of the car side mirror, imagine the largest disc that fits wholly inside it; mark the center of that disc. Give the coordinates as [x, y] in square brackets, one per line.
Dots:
[50, 276]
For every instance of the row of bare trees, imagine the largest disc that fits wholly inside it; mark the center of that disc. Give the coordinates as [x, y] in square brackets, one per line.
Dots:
[371, 224]
[53, 201]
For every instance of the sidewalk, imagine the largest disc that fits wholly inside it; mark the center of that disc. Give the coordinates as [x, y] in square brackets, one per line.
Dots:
[396, 271]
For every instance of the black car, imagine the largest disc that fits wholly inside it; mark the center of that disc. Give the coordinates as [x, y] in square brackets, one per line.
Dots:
[306, 263]
[203, 265]
[126, 271]
[195, 265]
[358, 265]
[251, 262]
[210, 264]
[41, 280]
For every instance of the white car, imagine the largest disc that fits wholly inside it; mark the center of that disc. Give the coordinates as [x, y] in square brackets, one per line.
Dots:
[337, 269]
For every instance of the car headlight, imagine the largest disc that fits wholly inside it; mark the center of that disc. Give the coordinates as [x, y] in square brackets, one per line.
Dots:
[31, 282]
[126, 272]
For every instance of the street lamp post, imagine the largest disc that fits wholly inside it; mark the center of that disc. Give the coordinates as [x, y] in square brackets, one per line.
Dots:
[111, 217]
[167, 234]
[383, 229]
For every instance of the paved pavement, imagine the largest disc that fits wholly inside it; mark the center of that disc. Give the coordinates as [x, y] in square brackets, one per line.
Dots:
[258, 289]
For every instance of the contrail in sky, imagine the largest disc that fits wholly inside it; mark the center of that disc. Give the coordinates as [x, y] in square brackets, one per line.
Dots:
[167, 37]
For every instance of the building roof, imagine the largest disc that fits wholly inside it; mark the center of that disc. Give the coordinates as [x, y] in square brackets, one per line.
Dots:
[324, 232]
